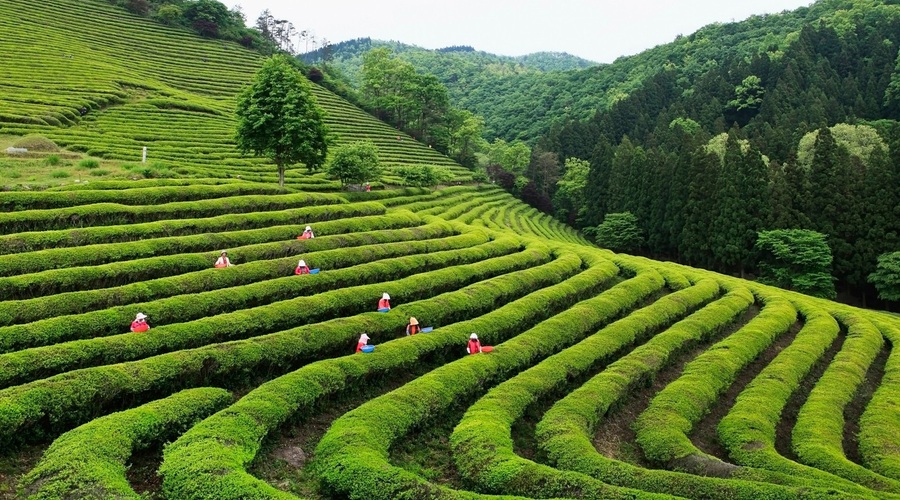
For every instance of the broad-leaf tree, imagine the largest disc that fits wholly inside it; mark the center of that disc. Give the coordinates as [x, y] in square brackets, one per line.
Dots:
[886, 277]
[619, 232]
[278, 118]
[355, 163]
[796, 259]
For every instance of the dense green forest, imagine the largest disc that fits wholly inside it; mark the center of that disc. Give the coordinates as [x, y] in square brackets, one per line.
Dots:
[520, 101]
[803, 137]
[777, 122]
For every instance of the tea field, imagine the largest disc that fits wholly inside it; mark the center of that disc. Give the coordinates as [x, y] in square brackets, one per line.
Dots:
[611, 376]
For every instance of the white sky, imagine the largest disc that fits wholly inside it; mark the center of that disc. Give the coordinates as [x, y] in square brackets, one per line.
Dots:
[599, 30]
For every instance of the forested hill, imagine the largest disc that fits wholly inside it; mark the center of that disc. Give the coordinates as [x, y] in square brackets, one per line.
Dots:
[802, 137]
[484, 83]
[521, 101]
[460, 61]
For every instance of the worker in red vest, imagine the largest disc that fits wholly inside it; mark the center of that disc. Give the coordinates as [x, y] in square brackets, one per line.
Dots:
[385, 302]
[302, 268]
[368, 187]
[140, 323]
[474, 346]
[363, 341]
[307, 234]
[413, 327]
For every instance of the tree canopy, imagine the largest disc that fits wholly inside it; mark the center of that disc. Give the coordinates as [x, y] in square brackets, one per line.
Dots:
[355, 163]
[796, 259]
[278, 118]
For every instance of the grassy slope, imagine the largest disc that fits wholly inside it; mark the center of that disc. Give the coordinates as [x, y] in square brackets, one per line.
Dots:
[156, 87]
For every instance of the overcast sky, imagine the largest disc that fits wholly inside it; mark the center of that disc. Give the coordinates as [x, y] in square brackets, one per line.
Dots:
[599, 30]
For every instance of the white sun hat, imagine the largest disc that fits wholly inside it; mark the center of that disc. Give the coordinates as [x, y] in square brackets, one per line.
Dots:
[473, 337]
[140, 316]
[309, 228]
[302, 263]
[385, 296]
[363, 337]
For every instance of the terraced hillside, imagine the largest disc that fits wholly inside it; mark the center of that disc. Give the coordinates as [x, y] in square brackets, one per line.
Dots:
[611, 376]
[144, 84]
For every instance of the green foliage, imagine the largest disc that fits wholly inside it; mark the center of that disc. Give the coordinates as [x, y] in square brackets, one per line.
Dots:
[87, 463]
[355, 163]
[886, 277]
[60, 174]
[570, 197]
[279, 118]
[860, 141]
[423, 175]
[662, 430]
[619, 232]
[183, 473]
[88, 163]
[813, 437]
[796, 259]
[53, 160]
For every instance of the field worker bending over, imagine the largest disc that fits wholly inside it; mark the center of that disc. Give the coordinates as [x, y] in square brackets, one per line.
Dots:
[307, 234]
[474, 346]
[140, 323]
[363, 341]
[223, 261]
[385, 302]
[302, 268]
[413, 327]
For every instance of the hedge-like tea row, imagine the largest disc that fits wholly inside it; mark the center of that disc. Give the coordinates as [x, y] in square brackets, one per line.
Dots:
[230, 440]
[122, 273]
[353, 250]
[817, 437]
[417, 277]
[879, 441]
[92, 255]
[33, 241]
[89, 462]
[482, 442]
[566, 431]
[30, 200]
[662, 429]
[108, 214]
[142, 183]
[47, 406]
[353, 455]
[748, 430]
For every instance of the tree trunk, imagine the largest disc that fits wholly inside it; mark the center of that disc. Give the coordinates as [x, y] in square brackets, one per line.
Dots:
[281, 176]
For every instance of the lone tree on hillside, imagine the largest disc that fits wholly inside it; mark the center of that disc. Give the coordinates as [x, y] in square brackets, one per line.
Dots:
[278, 118]
[355, 163]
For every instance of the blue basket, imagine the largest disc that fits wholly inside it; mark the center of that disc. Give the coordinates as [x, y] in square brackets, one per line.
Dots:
[314, 271]
[367, 348]
[427, 329]
[384, 309]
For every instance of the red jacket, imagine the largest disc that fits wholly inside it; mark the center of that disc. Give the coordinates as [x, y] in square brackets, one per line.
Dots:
[359, 346]
[474, 346]
[139, 326]
[384, 304]
[302, 270]
[412, 329]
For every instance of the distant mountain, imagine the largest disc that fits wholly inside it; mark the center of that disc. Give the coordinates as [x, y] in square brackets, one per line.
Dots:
[521, 98]
[347, 57]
